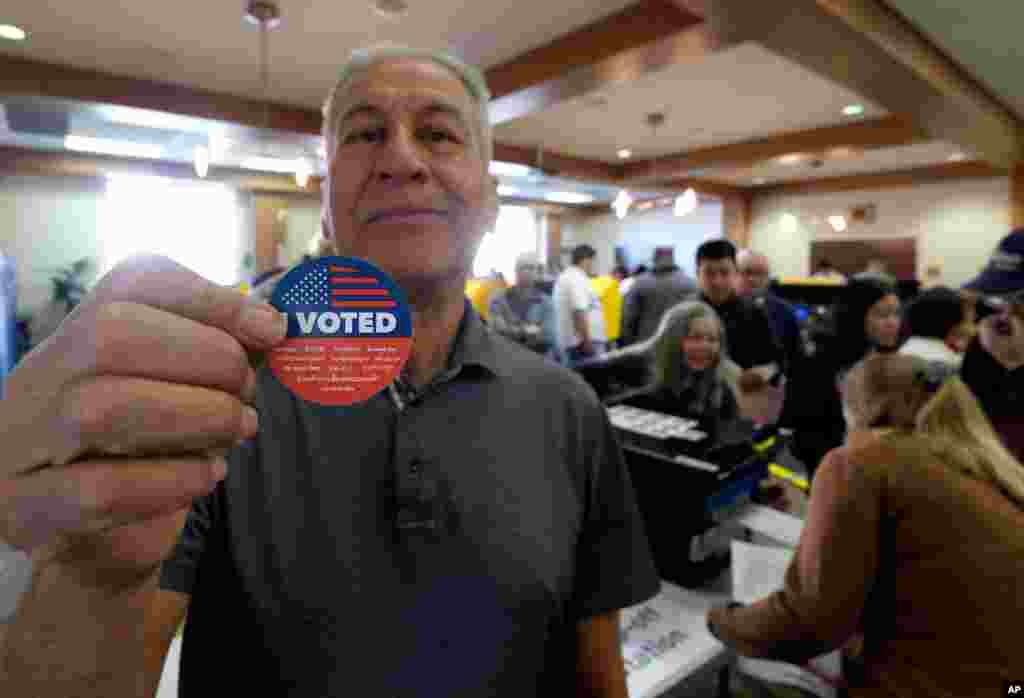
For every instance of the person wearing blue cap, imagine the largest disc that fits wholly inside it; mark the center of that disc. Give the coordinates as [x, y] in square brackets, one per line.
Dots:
[993, 365]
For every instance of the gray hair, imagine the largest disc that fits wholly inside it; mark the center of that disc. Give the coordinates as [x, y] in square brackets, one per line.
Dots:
[666, 345]
[361, 59]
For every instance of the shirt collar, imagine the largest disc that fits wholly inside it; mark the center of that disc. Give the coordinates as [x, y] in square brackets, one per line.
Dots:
[473, 345]
[930, 349]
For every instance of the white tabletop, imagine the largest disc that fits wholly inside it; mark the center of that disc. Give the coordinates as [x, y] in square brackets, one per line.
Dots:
[666, 640]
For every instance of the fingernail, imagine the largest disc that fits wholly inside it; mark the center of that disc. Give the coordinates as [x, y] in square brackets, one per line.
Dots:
[250, 422]
[251, 387]
[262, 323]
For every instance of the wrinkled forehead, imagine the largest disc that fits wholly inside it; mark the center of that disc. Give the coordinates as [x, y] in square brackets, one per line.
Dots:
[406, 84]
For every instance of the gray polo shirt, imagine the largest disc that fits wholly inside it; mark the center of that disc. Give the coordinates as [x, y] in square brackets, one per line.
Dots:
[443, 545]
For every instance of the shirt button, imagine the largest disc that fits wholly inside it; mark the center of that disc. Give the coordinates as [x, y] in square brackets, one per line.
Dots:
[415, 467]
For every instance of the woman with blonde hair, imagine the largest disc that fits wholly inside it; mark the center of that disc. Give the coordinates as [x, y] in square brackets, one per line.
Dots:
[913, 540]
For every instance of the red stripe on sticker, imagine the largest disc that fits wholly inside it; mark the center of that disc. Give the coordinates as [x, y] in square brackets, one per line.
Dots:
[349, 270]
[359, 292]
[353, 280]
[363, 304]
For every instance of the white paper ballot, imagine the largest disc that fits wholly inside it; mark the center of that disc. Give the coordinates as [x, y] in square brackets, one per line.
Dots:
[666, 639]
[759, 571]
[776, 526]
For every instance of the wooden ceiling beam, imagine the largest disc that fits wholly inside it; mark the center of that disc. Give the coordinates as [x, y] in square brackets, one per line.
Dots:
[647, 36]
[556, 165]
[19, 76]
[884, 180]
[869, 48]
[887, 132]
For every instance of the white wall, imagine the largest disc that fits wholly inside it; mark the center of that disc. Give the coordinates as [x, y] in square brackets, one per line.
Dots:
[46, 223]
[640, 233]
[303, 225]
[50, 222]
[956, 224]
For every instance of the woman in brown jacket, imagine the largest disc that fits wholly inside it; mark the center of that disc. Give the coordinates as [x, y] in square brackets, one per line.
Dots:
[914, 539]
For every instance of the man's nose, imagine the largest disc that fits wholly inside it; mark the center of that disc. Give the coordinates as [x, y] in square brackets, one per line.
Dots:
[400, 159]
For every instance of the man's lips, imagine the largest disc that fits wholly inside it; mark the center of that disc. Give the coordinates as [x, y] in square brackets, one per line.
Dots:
[407, 215]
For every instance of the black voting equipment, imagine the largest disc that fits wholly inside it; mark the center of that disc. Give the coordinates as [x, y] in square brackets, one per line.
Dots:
[689, 475]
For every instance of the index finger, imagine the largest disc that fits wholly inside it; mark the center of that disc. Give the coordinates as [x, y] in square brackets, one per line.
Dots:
[163, 283]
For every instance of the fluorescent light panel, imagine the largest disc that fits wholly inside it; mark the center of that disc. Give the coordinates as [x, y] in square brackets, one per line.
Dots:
[508, 169]
[505, 190]
[568, 197]
[149, 118]
[271, 165]
[9, 31]
[106, 146]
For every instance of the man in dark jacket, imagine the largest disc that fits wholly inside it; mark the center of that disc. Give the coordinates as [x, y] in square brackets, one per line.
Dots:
[651, 295]
[994, 363]
[754, 282]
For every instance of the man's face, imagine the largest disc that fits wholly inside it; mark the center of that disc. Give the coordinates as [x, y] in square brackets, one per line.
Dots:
[527, 274]
[717, 278]
[754, 276]
[407, 187]
[1002, 335]
[587, 265]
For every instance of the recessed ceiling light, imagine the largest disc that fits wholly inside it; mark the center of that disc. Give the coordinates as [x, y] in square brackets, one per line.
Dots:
[853, 109]
[9, 31]
[838, 223]
[957, 157]
[568, 197]
[758, 181]
[791, 159]
[625, 153]
[390, 9]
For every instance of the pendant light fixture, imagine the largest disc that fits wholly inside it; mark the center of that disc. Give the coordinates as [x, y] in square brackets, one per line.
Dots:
[267, 16]
[686, 203]
[622, 203]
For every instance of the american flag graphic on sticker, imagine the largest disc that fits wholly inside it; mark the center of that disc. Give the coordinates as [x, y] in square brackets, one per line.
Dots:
[349, 331]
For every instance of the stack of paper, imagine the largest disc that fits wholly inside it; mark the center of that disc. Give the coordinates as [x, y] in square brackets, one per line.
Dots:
[665, 640]
[759, 571]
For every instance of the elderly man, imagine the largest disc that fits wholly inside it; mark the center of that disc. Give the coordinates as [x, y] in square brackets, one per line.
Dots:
[993, 365]
[470, 531]
[524, 313]
[754, 282]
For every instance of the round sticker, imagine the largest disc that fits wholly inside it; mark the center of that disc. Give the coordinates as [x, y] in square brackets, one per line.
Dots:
[349, 331]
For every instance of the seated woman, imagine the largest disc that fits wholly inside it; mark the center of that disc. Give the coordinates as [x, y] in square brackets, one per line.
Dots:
[913, 539]
[692, 373]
